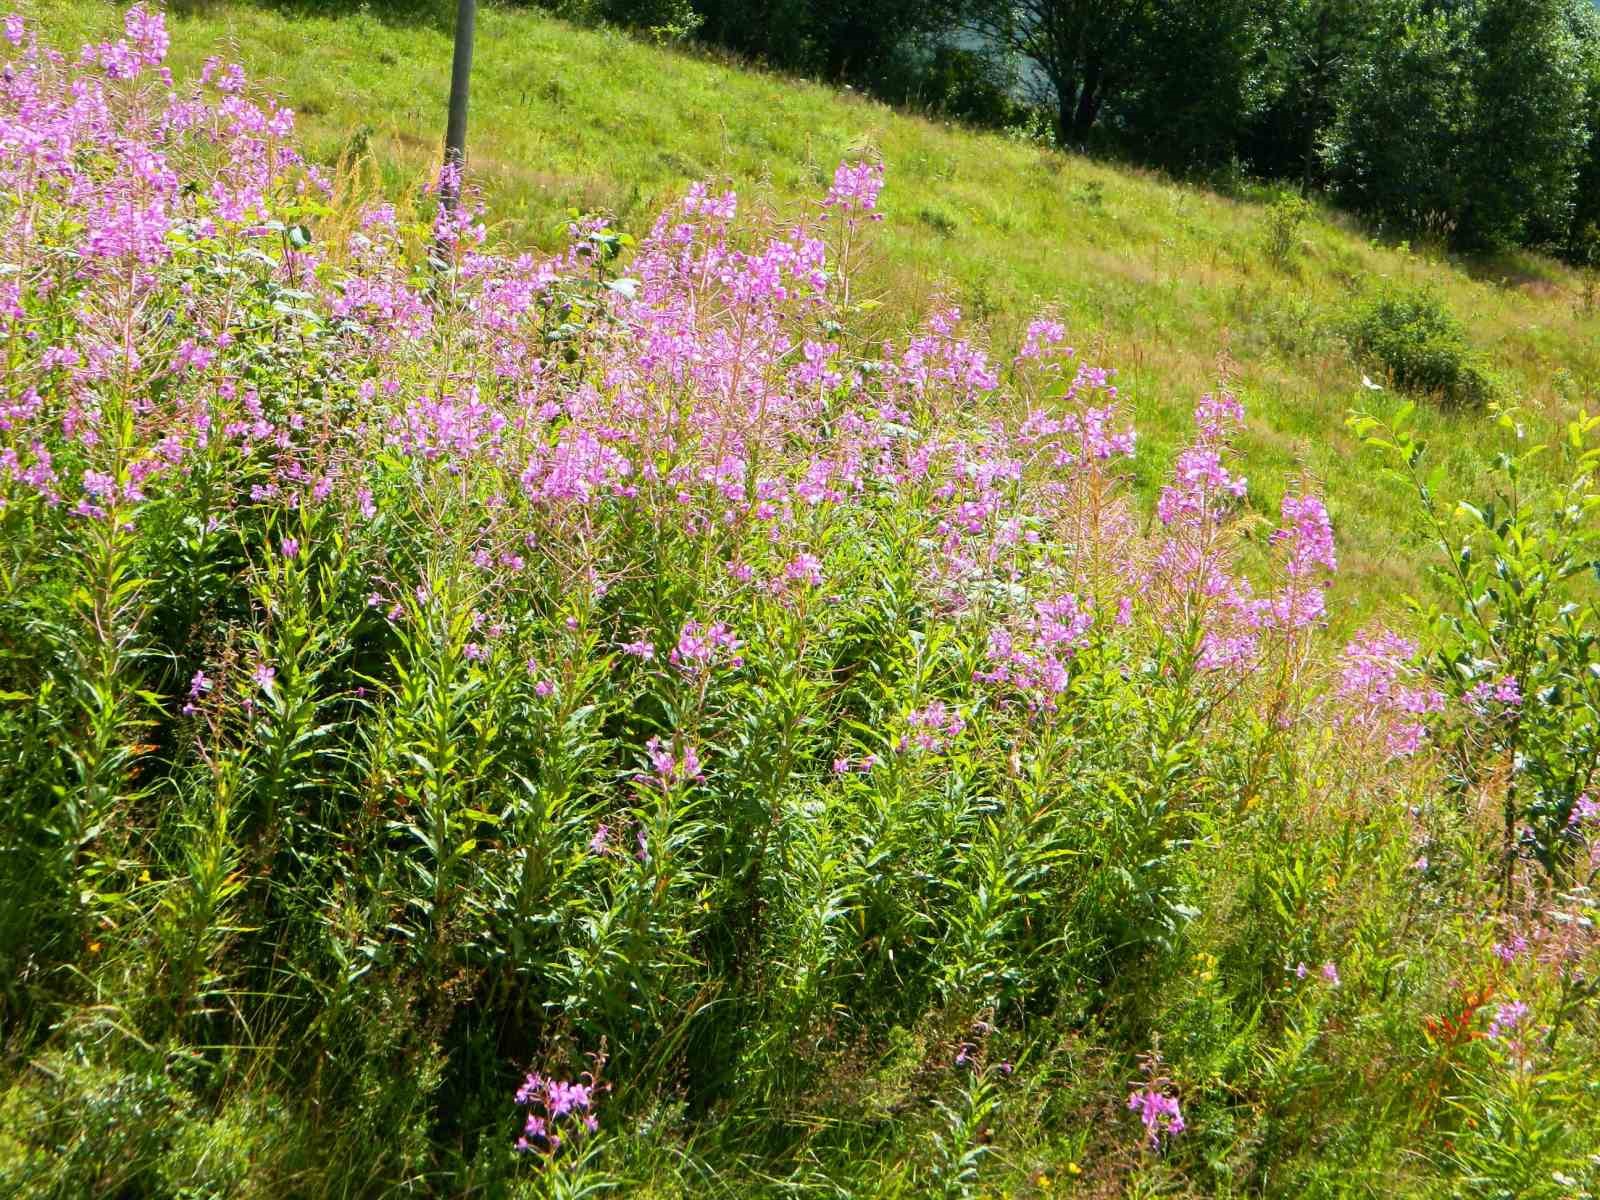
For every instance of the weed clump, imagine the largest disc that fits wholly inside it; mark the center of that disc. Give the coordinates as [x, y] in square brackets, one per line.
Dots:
[1421, 346]
[1285, 216]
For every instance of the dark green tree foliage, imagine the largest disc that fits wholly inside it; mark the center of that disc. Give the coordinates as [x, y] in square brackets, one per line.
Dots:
[1528, 134]
[1583, 237]
[1194, 88]
[1306, 50]
[1467, 118]
[658, 18]
[1087, 52]
[775, 31]
[1394, 146]
[870, 43]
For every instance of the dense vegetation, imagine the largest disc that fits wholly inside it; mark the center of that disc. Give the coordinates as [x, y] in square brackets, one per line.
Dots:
[1155, 276]
[493, 724]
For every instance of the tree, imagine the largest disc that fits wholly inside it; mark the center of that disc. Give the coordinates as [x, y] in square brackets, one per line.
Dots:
[1583, 236]
[1085, 51]
[1192, 86]
[844, 41]
[1528, 135]
[1468, 114]
[1404, 115]
[1307, 48]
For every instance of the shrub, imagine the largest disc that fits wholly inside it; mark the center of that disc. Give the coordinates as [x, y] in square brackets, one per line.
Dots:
[1420, 345]
[1519, 640]
[1285, 215]
[661, 20]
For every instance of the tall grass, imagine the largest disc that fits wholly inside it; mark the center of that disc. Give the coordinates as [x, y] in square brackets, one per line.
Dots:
[512, 725]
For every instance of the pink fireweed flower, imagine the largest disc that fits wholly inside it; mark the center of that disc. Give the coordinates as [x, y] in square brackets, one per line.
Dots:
[1330, 974]
[198, 686]
[289, 547]
[855, 188]
[1200, 483]
[1511, 949]
[939, 359]
[1381, 692]
[929, 728]
[1504, 691]
[1222, 652]
[804, 568]
[1309, 535]
[1159, 1114]
[1044, 340]
[99, 485]
[672, 766]
[1507, 1020]
[703, 645]
[264, 675]
[144, 46]
[1033, 655]
[1218, 414]
[861, 766]
[700, 201]
[554, 1105]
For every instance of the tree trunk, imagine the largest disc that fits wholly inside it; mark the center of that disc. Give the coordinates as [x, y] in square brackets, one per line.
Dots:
[1310, 153]
[1089, 101]
[1088, 109]
[1063, 120]
[1066, 101]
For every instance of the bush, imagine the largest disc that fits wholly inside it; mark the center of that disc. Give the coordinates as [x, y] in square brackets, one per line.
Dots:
[660, 20]
[1286, 214]
[1421, 347]
[965, 85]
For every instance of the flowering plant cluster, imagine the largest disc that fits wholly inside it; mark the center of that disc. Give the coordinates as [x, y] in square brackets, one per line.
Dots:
[1158, 1110]
[554, 1105]
[405, 640]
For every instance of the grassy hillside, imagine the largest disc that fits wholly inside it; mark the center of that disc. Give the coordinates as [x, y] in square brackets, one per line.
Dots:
[1153, 277]
[478, 732]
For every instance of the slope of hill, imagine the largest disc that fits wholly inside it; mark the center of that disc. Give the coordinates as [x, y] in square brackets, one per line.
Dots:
[477, 732]
[1154, 278]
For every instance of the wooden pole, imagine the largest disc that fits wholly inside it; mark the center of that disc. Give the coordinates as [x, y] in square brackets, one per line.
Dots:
[455, 135]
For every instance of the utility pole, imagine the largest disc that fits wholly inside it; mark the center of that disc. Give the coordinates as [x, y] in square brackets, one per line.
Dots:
[455, 135]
